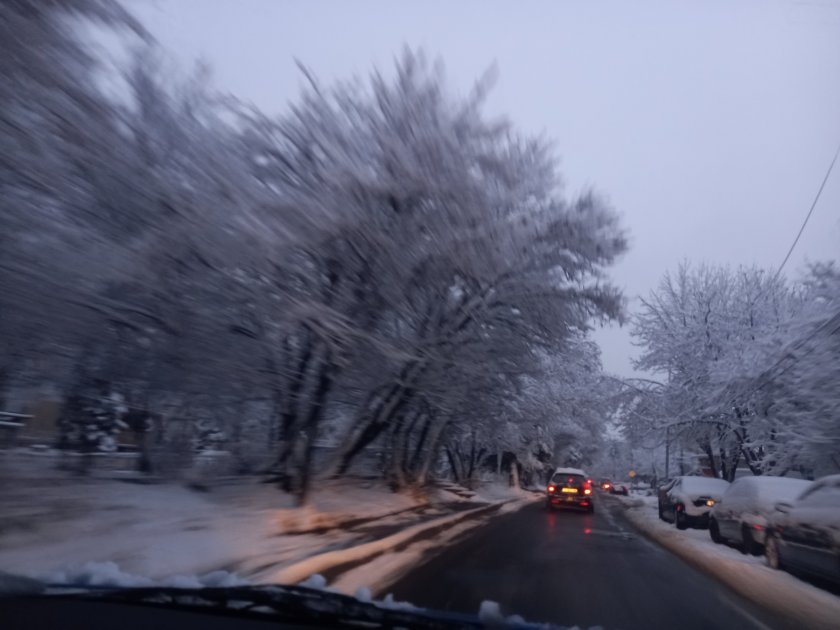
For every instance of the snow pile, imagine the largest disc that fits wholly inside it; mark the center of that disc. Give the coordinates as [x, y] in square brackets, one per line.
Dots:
[110, 574]
[315, 581]
[802, 604]
[490, 612]
[107, 533]
[159, 530]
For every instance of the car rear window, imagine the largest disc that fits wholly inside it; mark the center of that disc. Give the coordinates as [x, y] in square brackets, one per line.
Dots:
[562, 479]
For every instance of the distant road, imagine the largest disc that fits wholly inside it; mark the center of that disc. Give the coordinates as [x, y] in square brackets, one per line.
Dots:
[571, 568]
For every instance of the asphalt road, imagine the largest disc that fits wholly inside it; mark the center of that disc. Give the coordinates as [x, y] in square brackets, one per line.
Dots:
[571, 568]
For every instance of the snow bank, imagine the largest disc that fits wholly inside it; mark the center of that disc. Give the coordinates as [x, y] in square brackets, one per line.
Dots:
[110, 533]
[801, 603]
[51, 522]
[360, 554]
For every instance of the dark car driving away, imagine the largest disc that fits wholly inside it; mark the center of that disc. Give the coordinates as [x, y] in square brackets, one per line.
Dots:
[569, 487]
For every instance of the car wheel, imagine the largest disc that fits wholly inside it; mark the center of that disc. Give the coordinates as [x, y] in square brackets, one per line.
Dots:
[771, 550]
[680, 519]
[714, 531]
[748, 544]
[591, 508]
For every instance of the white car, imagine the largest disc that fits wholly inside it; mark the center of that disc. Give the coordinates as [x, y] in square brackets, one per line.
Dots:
[687, 500]
[741, 514]
[804, 535]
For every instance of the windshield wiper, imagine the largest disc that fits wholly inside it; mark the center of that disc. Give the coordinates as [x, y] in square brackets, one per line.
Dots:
[296, 604]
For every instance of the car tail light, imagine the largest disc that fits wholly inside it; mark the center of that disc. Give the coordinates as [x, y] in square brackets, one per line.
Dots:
[587, 491]
[551, 488]
[758, 527]
[584, 503]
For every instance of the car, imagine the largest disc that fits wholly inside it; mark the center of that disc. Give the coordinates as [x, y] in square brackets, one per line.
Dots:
[741, 514]
[804, 534]
[569, 487]
[605, 484]
[619, 488]
[688, 500]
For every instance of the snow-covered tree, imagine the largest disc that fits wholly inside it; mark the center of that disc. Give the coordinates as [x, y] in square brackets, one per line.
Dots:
[740, 379]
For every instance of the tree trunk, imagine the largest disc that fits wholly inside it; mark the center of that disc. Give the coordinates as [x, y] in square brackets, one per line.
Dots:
[311, 426]
[421, 441]
[452, 466]
[398, 396]
[436, 435]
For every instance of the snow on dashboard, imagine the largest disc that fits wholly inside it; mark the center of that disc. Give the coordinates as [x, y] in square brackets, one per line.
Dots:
[110, 574]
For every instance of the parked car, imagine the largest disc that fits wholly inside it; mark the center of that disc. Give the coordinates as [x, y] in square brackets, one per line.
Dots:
[741, 514]
[569, 487]
[620, 488]
[687, 500]
[804, 534]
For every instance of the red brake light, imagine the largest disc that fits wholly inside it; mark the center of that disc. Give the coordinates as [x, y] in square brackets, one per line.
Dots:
[551, 488]
[757, 527]
[587, 491]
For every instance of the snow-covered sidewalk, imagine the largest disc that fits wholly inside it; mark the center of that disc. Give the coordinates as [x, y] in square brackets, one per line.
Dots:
[355, 531]
[804, 605]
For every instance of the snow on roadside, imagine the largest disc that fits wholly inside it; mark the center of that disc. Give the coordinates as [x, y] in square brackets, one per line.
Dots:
[412, 542]
[778, 591]
[65, 528]
[162, 530]
[381, 572]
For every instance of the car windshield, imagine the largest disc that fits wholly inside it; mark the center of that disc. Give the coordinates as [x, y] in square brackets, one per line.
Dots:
[461, 306]
[567, 479]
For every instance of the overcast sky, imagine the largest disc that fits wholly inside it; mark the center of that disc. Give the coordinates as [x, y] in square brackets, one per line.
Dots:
[708, 125]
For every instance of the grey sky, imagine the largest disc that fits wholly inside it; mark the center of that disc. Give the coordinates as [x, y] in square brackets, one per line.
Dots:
[709, 125]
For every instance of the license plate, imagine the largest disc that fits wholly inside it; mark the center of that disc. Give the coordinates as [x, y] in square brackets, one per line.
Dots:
[569, 490]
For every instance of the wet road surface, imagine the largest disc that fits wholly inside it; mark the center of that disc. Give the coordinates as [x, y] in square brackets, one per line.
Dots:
[571, 568]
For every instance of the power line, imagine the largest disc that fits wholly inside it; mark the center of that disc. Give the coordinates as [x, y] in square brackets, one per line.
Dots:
[810, 212]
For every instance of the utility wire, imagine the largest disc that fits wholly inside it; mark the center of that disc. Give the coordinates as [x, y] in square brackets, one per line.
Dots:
[766, 377]
[810, 212]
